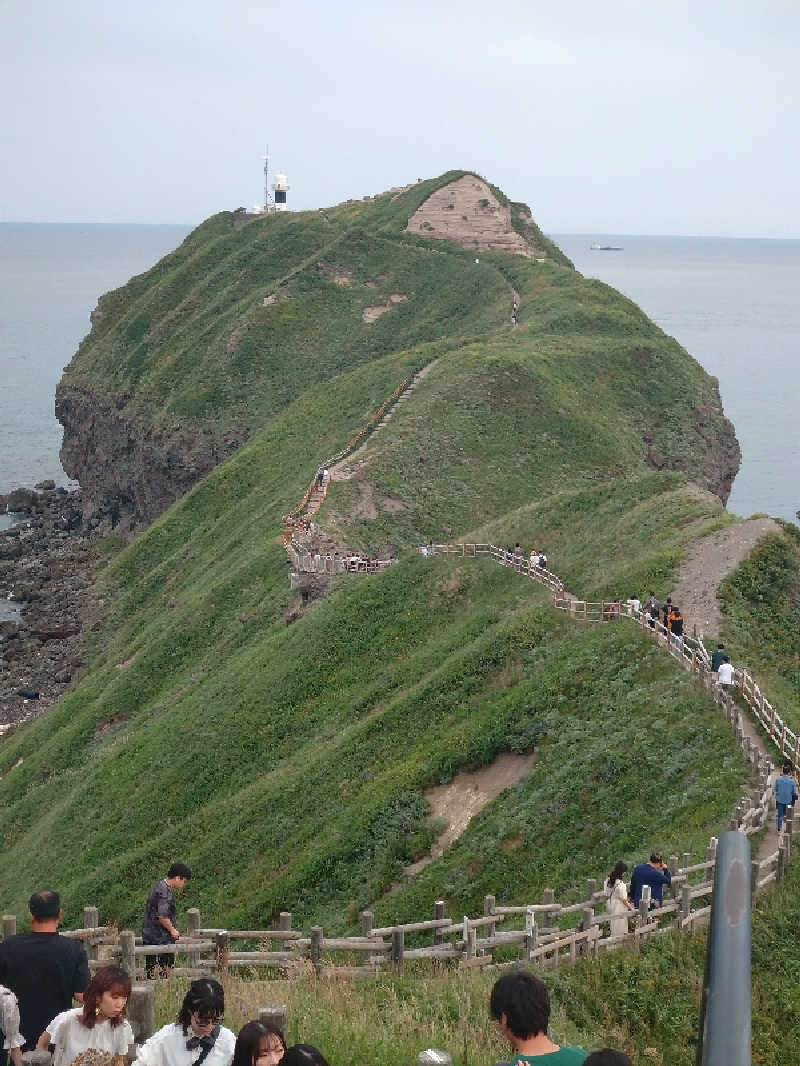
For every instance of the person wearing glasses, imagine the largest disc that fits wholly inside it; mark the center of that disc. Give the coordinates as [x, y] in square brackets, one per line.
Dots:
[196, 1037]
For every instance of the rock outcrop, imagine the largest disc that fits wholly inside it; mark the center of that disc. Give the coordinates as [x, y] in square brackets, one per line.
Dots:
[468, 212]
[129, 472]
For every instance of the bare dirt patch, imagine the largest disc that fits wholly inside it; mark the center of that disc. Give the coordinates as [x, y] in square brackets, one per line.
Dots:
[708, 562]
[468, 212]
[128, 662]
[466, 795]
[370, 314]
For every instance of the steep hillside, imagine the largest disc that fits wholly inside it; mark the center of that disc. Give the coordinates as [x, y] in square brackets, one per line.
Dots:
[186, 362]
[208, 726]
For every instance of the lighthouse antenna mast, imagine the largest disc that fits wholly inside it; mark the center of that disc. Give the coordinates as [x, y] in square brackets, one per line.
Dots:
[268, 201]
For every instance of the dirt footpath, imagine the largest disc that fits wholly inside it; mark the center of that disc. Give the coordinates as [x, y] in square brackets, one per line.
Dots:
[708, 561]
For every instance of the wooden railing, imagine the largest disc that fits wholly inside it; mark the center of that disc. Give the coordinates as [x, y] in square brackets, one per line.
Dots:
[292, 522]
[550, 933]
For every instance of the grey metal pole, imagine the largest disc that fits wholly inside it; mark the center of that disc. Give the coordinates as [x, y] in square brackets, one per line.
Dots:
[724, 1038]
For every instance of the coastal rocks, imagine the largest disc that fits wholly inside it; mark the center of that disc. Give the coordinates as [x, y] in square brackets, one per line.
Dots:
[129, 471]
[48, 580]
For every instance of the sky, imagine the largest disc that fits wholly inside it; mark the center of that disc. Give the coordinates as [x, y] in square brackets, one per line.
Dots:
[618, 116]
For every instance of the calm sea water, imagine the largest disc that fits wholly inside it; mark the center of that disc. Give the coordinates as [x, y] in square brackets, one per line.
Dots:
[50, 279]
[732, 303]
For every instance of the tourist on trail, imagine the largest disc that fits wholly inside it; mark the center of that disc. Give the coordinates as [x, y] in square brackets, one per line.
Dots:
[196, 1037]
[517, 554]
[303, 1055]
[259, 1044]
[716, 659]
[725, 672]
[652, 613]
[634, 605]
[665, 611]
[785, 794]
[607, 1057]
[161, 915]
[99, 1024]
[520, 1004]
[44, 970]
[542, 561]
[654, 873]
[9, 1028]
[676, 625]
[617, 896]
[534, 559]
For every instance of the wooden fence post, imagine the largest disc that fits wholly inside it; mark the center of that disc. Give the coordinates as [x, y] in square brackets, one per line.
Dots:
[9, 925]
[591, 888]
[587, 923]
[531, 935]
[285, 921]
[398, 949]
[222, 949]
[686, 906]
[438, 914]
[489, 905]
[315, 951]
[548, 897]
[91, 921]
[193, 926]
[366, 923]
[127, 961]
[755, 873]
[141, 1012]
[781, 866]
[275, 1014]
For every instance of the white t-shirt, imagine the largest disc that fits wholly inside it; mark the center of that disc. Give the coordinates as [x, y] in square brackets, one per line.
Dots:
[725, 674]
[167, 1047]
[71, 1036]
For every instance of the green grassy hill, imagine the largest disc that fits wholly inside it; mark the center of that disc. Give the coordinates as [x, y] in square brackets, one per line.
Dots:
[283, 747]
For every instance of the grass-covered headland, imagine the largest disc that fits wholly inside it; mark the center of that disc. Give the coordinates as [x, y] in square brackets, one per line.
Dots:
[283, 746]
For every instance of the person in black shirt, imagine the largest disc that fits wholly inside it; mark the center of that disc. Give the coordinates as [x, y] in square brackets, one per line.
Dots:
[44, 970]
[161, 915]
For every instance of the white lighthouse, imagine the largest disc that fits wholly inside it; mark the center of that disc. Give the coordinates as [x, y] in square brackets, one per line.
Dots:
[280, 187]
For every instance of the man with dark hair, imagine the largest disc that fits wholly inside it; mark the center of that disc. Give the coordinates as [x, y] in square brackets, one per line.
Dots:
[520, 1005]
[654, 873]
[43, 969]
[716, 660]
[160, 916]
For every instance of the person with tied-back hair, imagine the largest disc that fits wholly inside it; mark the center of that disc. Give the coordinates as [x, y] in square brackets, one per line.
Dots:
[520, 1004]
[303, 1055]
[259, 1044]
[195, 1037]
[99, 1025]
[43, 969]
[617, 896]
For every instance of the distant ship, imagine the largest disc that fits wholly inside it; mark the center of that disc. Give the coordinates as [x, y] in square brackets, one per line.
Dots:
[605, 248]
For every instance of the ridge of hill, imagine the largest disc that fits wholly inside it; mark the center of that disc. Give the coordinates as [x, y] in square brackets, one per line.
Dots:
[187, 361]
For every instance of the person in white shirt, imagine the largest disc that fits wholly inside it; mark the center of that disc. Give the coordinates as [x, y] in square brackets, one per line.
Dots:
[98, 1025]
[196, 1038]
[634, 605]
[725, 672]
[9, 1025]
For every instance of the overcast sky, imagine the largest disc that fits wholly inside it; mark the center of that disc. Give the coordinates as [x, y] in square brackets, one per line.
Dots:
[608, 116]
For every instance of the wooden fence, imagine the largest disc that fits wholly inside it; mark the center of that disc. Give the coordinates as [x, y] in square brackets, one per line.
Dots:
[549, 932]
[545, 933]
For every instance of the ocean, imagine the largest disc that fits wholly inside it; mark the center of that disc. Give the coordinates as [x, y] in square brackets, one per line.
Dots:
[731, 303]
